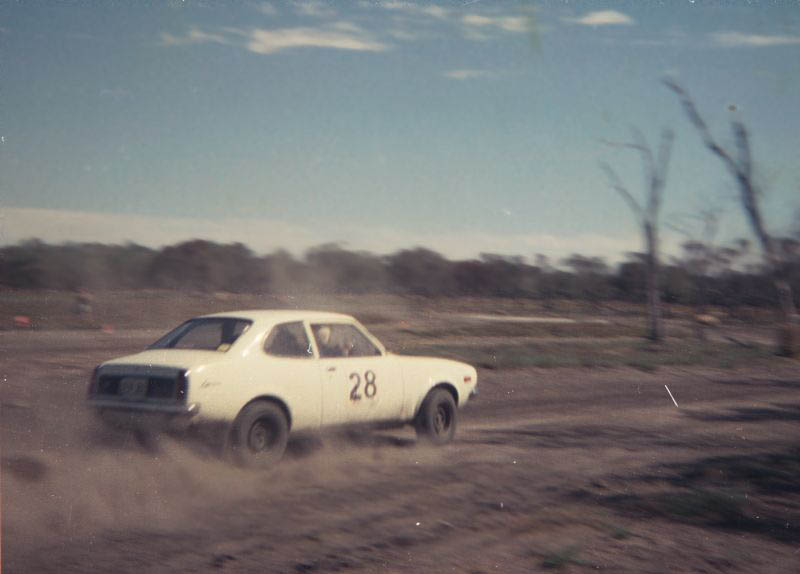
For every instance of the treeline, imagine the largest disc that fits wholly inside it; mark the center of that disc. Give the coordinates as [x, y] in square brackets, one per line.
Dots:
[702, 275]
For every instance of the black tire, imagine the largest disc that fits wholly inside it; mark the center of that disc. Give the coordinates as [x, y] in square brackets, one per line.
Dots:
[437, 417]
[259, 435]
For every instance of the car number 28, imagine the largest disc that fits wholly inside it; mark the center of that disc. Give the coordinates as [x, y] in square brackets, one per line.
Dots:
[370, 388]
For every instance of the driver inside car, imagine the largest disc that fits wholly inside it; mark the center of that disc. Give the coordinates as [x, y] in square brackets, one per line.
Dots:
[327, 346]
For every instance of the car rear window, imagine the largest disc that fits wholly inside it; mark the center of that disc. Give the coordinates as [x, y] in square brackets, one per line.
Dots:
[210, 334]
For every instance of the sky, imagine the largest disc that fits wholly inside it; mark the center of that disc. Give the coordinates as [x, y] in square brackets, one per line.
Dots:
[461, 126]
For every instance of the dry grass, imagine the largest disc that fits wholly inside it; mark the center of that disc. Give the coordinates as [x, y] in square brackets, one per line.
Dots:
[599, 353]
[599, 336]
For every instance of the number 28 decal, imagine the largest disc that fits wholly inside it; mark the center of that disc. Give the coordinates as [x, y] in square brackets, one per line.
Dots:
[369, 386]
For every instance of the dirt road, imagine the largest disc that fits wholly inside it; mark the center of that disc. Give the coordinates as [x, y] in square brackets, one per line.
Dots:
[572, 470]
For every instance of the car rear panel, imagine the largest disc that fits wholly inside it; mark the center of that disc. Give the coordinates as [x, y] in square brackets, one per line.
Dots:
[146, 389]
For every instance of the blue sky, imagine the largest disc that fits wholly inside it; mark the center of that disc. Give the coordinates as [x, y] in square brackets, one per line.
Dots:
[464, 126]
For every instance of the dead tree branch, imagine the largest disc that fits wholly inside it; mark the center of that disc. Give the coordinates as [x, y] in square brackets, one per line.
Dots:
[741, 168]
[616, 183]
[655, 173]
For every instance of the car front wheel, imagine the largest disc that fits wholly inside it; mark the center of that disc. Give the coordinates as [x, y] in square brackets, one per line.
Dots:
[436, 420]
[259, 435]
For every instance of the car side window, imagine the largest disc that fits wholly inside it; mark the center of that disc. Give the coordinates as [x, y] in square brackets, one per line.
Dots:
[288, 340]
[342, 340]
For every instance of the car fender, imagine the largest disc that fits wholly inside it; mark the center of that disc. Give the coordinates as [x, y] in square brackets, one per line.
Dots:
[422, 374]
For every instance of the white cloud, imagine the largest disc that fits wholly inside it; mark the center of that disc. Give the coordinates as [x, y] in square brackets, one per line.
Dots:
[57, 226]
[467, 74]
[316, 9]
[603, 18]
[345, 26]
[505, 23]
[339, 35]
[264, 41]
[737, 39]
[194, 36]
[514, 24]
[476, 20]
[434, 11]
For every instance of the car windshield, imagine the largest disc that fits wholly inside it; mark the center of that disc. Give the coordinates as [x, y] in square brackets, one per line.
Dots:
[212, 334]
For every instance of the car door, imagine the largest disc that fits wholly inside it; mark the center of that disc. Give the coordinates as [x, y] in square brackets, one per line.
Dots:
[290, 367]
[360, 383]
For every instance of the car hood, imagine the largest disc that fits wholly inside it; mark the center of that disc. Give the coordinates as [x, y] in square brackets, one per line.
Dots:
[175, 358]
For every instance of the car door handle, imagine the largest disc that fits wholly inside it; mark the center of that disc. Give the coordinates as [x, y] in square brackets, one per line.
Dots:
[331, 369]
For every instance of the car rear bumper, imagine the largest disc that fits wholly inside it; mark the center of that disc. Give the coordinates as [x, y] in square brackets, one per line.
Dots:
[144, 415]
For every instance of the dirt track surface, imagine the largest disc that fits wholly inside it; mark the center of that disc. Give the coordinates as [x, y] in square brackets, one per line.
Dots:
[566, 470]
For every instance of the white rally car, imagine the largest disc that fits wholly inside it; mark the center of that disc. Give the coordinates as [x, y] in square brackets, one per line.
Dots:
[258, 375]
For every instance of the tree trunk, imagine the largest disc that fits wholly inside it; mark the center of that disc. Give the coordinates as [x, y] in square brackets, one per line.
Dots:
[789, 326]
[655, 327]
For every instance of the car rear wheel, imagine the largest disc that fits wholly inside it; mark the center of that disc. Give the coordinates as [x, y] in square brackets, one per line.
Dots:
[259, 435]
[436, 420]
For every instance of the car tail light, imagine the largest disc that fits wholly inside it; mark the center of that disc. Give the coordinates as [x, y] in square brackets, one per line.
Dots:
[92, 390]
[467, 379]
[183, 385]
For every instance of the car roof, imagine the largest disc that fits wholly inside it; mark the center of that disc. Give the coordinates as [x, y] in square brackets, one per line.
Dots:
[273, 315]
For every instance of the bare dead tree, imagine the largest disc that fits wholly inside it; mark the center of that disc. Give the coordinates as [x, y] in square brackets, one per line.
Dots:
[699, 259]
[655, 172]
[741, 168]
